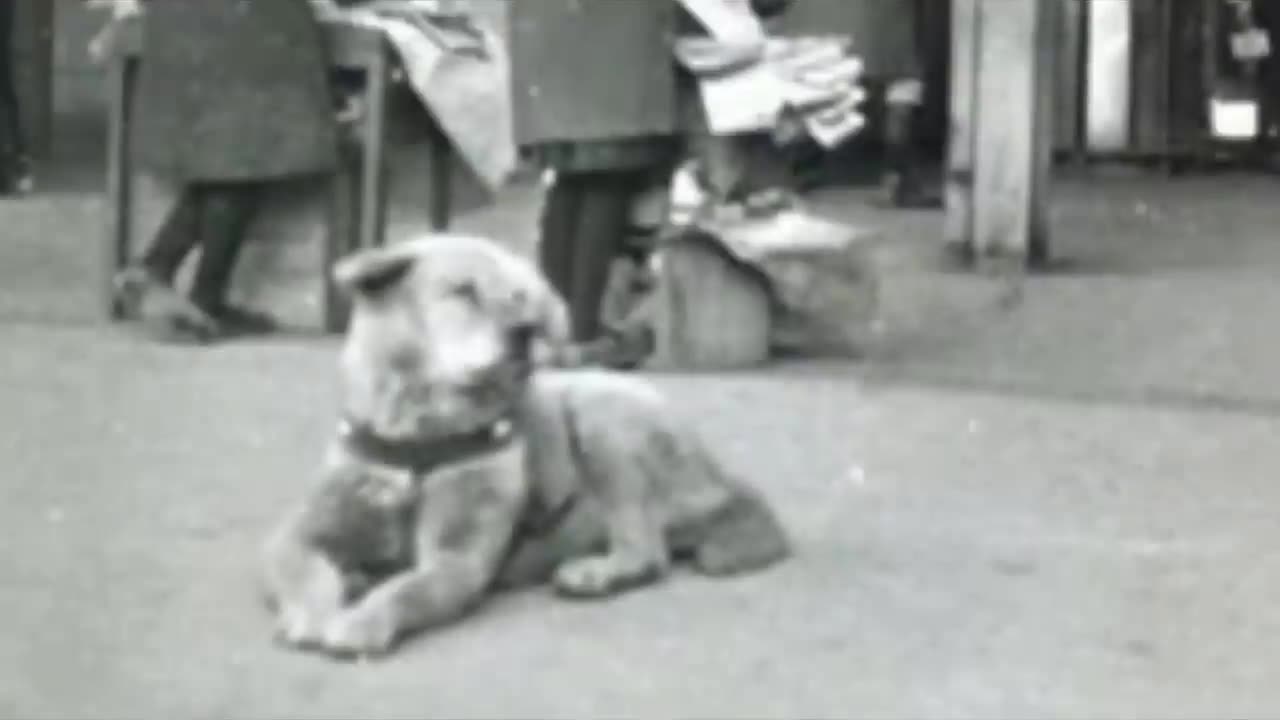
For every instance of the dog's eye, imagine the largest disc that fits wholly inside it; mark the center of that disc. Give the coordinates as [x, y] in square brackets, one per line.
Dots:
[405, 359]
[467, 290]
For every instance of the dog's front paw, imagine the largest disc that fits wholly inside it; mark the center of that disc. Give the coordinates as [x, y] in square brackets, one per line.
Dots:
[359, 634]
[598, 576]
[298, 627]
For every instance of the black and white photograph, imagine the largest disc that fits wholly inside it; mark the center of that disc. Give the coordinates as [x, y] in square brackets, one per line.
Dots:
[402, 359]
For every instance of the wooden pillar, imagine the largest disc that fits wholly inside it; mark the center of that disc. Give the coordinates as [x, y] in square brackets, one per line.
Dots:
[33, 71]
[1151, 29]
[1002, 97]
[1070, 113]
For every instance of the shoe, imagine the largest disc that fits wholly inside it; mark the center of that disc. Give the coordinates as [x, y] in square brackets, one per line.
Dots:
[169, 315]
[16, 185]
[238, 321]
[18, 179]
[129, 288]
[182, 329]
[24, 184]
[142, 296]
[225, 323]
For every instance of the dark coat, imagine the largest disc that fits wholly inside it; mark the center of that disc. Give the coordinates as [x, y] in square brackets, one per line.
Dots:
[233, 90]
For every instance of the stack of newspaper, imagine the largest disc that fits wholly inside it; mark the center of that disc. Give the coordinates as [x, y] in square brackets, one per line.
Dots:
[751, 83]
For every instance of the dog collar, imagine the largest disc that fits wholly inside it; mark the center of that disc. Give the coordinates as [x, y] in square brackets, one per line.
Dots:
[421, 455]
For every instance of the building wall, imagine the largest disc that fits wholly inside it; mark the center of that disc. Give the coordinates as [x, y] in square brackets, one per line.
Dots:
[78, 84]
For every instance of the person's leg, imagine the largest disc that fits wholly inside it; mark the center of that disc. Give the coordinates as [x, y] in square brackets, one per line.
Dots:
[603, 220]
[904, 178]
[178, 235]
[558, 231]
[216, 216]
[904, 107]
[227, 213]
[723, 160]
[145, 290]
[15, 163]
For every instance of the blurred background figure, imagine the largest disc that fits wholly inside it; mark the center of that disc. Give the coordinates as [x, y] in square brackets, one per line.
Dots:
[589, 219]
[232, 95]
[15, 165]
[1267, 16]
[915, 111]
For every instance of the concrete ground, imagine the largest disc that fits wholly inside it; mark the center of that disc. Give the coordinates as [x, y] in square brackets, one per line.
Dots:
[1164, 291]
[1024, 538]
[960, 555]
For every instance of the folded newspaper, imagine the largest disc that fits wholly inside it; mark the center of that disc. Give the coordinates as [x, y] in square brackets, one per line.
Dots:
[459, 69]
[751, 83]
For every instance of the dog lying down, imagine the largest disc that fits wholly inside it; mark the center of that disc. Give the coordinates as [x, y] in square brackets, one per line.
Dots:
[462, 466]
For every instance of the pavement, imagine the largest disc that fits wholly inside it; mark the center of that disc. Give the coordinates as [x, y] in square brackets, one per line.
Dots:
[1162, 291]
[1043, 536]
[959, 555]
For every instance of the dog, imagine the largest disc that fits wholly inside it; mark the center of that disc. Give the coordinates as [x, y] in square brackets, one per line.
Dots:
[464, 464]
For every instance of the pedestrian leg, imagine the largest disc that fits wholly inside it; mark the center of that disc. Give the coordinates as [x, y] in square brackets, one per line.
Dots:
[602, 224]
[228, 213]
[558, 231]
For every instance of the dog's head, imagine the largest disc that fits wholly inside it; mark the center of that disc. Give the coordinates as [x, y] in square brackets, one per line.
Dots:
[444, 331]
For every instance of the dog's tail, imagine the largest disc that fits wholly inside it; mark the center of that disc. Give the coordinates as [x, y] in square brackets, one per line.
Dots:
[742, 535]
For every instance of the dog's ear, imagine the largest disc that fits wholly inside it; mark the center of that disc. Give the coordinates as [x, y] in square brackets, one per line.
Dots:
[369, 273]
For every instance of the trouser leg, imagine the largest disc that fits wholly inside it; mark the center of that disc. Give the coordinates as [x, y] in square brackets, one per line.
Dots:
[557, 233]
[602, 225]
[228, 211]
[178, 235]
[12, 139]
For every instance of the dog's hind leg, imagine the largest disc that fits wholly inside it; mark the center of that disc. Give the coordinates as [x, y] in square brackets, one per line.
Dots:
[618, 470]
[740, 536]
[636, 555]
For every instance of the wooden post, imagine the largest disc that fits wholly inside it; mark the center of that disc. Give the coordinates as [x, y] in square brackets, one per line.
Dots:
[33, 70]
[1151, 32]
[119, 226]
[959, 186]
[1004, 77]
[1072, 74]
[373, 174]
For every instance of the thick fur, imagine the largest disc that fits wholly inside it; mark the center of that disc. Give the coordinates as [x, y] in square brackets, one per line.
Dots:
[604, 488]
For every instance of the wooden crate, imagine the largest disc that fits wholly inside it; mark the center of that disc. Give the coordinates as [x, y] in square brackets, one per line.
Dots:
[734, 292]
[591, 69]
[713, 312]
